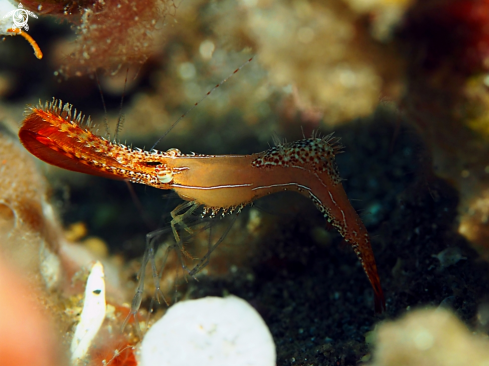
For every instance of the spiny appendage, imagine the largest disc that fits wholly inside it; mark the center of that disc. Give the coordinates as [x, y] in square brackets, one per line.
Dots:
[65, 130]
[77, 126]
[326, 211]
[59, 113]
[362, 248]
[72, 123]
[62, 128]
[316, 152]
[221, 211]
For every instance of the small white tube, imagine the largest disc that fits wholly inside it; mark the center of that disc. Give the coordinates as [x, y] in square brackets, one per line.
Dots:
[93, 313]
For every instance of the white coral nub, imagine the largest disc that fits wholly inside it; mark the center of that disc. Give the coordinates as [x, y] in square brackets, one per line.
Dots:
[210, 331]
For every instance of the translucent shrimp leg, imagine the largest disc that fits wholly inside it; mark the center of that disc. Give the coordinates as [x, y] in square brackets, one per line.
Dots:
[178, 219]
[138, 297]
[204, 261]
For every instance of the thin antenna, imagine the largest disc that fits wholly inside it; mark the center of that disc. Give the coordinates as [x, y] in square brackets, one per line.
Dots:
[106, 121]
[120, 120]
[200, 101]
[139, 206]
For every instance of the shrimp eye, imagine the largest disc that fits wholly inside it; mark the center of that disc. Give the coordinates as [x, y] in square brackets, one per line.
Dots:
[164, 174]
[165, 178]
[152, 163]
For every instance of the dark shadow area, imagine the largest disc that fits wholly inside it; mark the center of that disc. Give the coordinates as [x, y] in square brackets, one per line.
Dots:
[314, 295]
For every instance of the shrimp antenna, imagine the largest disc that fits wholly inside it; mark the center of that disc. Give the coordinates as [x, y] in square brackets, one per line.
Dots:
[106, 121]
[200, 101]
[120, 120]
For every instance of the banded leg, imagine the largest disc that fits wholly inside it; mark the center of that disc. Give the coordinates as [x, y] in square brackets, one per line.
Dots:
[178, 219]
[204, 261]
[149, 256]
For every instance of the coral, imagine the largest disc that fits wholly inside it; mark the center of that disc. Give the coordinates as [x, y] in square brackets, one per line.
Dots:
[30, 231]
[428, 337]
[110, 33]
[314, 66]
[333, 62]
[384, 15]
[212, 331]
[474, 221]
[30, 266]
[114, 33]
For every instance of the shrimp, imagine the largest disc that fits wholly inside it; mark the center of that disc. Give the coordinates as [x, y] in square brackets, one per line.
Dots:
[218, 183]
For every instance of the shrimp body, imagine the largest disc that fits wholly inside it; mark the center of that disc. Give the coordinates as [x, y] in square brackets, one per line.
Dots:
[225, 182]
